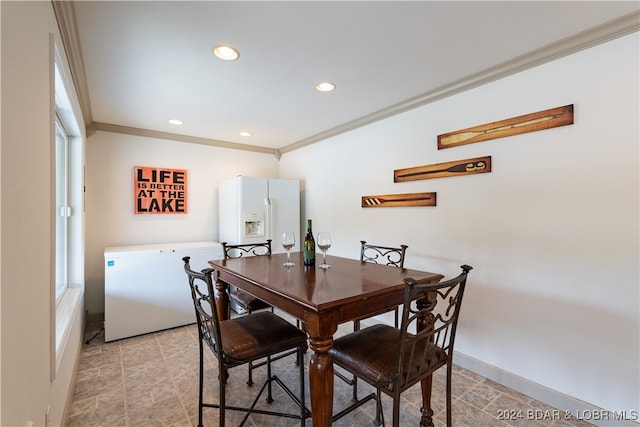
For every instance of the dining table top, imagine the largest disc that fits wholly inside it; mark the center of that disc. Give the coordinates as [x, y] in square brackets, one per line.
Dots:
[318, 289]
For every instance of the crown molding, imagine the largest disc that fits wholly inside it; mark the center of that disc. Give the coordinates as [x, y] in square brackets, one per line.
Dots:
[127, 130]
[611, 30]
[66, 18]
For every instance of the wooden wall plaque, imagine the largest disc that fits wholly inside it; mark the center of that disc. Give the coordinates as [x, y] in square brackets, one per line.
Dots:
[554, 117]
[441, 170]
[395, 200]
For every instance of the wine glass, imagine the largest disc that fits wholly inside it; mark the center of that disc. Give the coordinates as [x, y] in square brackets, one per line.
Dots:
[288, 242]
[324, 243]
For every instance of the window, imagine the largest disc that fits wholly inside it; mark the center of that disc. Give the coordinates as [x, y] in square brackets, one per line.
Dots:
[63, 210]
[68, 161]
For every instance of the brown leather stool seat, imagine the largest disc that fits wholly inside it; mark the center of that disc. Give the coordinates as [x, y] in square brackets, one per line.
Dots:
[376, 359]
[258, 335]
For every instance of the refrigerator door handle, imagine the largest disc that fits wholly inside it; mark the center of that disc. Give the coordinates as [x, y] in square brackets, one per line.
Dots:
[269, 219]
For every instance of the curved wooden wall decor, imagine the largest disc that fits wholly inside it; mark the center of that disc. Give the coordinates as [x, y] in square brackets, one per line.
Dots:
[442, 170]
[395, 200]
[554, 117]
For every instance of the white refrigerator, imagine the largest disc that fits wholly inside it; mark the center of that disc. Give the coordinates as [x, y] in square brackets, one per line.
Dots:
[256, 209]
[252, 210]
[146, 288]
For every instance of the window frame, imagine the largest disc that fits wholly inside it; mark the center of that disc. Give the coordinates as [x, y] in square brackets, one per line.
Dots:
[63, 210]
[67, 308]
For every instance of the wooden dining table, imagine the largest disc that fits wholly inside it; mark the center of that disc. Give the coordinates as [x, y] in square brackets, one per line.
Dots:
[321, 299]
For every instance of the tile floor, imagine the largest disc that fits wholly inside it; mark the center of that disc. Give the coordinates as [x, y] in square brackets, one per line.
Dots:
[152, 380]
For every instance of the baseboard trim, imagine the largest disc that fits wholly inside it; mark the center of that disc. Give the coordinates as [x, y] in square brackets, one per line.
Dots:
[583, 410]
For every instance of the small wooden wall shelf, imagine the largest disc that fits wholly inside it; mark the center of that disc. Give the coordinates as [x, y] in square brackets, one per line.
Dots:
[396, 200]
[441, 170]
[554, 117]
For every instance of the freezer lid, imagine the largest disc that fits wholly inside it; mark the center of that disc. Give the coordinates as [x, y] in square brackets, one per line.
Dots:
[145, 250]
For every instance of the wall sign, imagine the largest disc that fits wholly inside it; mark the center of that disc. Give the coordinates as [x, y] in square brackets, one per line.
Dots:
[159, 190]
[547, 119]
[396, 200]
[442, 170]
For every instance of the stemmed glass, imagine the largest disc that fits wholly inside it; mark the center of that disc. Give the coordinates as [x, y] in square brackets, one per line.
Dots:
[288, 242]
[324, 243]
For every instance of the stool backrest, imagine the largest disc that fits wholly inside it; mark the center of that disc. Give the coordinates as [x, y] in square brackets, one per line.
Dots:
[202, 293]
[424, 351]
[247, 249]
[383, 254]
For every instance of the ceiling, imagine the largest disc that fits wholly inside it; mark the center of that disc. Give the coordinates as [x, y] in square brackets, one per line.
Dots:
[138, 64]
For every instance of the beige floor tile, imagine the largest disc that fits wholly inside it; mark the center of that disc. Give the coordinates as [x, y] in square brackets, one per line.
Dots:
[152, 380]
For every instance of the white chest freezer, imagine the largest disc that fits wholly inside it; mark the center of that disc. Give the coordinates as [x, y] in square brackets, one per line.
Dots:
[146, 288]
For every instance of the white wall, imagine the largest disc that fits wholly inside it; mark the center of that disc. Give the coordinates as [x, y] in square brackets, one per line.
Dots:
[552, 231]
[110, 218]
[30, 386]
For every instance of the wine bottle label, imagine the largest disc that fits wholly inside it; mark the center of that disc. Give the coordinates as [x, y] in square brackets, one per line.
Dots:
[309, 257]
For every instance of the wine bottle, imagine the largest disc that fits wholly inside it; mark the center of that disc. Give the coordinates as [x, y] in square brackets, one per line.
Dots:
[309, 254]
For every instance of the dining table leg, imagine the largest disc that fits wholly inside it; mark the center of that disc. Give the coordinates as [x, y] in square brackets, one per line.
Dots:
[426, 419]
[321, 369]
[221, 297]
[426, 321]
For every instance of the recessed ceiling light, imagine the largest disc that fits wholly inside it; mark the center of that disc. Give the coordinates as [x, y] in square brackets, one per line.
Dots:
[325, 86]
[176, 122]
[226, 53]
[245, 133]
